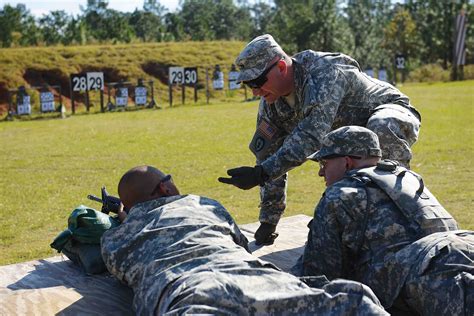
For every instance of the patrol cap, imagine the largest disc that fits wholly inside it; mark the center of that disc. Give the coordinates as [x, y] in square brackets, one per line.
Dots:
[349, 141]
[256, 57]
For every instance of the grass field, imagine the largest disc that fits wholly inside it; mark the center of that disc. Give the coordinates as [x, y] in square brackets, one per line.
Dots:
[49, 166]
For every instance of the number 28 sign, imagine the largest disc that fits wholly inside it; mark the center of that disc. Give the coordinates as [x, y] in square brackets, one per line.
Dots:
[88, 81]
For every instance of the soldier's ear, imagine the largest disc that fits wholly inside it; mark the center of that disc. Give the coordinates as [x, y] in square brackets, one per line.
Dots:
[349, 163]
[282, 65]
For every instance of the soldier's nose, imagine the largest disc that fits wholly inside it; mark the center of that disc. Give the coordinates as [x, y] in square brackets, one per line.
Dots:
[321, 172]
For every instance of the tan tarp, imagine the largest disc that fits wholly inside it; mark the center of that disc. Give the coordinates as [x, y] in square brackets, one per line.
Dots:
[56, 286]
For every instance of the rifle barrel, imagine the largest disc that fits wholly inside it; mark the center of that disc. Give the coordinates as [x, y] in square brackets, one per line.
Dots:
[94, 198]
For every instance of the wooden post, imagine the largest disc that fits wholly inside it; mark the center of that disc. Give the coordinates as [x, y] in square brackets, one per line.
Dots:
[195, 93]
[10, 106]
[60, 96]
[87, 100]
[73, 105]
[170, 88]
[183, 93]
[245, 90]
[207, 85]
[102, 100]
[152, 103]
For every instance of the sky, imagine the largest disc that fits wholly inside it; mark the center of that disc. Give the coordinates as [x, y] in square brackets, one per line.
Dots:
[40, 7]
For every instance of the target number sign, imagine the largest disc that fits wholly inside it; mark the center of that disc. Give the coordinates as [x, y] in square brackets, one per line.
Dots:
[400, 61]
[176, 75]
[190, 76]
[95, 81]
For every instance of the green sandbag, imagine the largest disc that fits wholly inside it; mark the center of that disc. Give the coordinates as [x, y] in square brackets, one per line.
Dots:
[80, 242]
[88, 225]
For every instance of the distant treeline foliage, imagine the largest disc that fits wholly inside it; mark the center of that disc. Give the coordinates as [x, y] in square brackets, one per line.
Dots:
[372, 31]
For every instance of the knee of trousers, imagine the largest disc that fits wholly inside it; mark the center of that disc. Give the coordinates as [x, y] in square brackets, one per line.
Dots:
[397, 130]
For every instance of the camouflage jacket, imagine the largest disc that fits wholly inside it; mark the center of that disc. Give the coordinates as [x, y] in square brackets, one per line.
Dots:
[330, 91]
[357, 226]
[185, 255]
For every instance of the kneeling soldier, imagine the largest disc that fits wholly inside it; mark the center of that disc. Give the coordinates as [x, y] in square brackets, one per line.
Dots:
[378, 224]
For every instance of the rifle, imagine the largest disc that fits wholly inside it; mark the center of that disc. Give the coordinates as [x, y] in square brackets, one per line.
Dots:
[110, 203]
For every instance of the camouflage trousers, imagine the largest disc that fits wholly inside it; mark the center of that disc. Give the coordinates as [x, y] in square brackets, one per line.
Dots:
[397, 128]
[442, 281]
[238, 288]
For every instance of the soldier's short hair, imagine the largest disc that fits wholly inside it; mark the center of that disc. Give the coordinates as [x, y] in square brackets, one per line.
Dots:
[349, 141]
[257, 56]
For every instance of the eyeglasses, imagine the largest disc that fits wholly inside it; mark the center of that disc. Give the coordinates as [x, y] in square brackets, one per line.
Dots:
[324, 162]
[258, 82]
[163, 180]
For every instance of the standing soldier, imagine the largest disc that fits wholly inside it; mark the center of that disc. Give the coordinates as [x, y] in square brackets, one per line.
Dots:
[302, 98]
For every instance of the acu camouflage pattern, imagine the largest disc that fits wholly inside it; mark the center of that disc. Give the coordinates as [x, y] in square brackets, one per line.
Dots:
[357, 230]
[331, 92]
[440, 281]
[256, 57]
[185, 255]
[349, 141]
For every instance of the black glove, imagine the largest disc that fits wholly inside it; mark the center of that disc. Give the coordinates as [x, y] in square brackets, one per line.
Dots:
[265, 234]
[245, 177]
[110, 203]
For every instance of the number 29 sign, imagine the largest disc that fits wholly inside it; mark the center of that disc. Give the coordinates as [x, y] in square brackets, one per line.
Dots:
[88, 81]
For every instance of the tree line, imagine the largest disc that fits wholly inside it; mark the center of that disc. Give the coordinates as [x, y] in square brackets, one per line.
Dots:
[372, 31]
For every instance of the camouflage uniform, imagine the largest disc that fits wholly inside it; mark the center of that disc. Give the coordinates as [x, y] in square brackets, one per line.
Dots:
[185, 254]
[370, 225]
[436, 274]
[330, 91]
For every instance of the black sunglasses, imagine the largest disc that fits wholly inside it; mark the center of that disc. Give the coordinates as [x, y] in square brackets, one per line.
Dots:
[258, 82]
[163, 180]
[324, 161]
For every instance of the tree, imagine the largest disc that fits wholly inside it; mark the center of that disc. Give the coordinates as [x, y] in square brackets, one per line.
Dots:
[75, 32]
[17, 26]
[214, 19]
[154, 7]
[366, 19]
[174, 27]
[105, 24]
[261, 15]
[401, 35]
[306, 24]
[146, 25]
[54, 26]
[435, 24]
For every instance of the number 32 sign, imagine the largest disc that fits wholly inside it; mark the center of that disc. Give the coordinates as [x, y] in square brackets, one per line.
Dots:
[89, 81]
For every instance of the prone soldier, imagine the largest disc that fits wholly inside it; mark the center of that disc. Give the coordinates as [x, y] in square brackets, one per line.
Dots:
[184, 254]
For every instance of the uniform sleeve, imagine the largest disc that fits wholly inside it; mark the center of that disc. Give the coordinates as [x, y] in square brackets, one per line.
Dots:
[322, 97]
[335, 233]
[265, 112]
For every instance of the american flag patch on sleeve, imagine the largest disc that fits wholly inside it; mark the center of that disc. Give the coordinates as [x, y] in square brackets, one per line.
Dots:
[266, 129]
